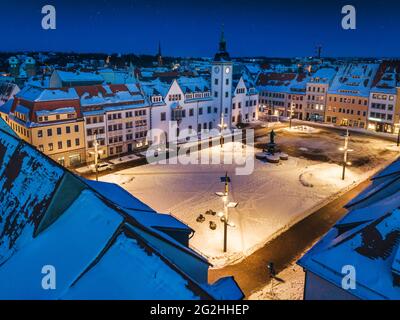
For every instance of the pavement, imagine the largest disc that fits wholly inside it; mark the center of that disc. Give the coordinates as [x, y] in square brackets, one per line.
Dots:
[251, 273]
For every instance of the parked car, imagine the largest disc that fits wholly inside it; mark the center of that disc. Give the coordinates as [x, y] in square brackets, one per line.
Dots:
[102, 167]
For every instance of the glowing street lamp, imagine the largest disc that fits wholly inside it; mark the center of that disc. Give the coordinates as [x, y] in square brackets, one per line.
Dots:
[222, 125]
[398, 133]
[225, 214]
[96, 154]
[345, 150]
[291, 115]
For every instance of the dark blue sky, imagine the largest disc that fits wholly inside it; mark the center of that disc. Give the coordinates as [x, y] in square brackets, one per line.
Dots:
[191, 27]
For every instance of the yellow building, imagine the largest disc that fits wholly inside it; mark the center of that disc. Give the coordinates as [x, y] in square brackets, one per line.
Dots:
[56, 130]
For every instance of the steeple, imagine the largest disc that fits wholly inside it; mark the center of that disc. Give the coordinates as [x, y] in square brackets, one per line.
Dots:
[222, 54]
[159, 48]
[159, 55]
[222, 42]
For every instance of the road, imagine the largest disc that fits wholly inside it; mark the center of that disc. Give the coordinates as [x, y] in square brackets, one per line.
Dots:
[251, 273]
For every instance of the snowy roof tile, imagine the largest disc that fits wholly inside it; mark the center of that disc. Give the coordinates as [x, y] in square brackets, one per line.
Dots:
[368, 238]
[86, 232]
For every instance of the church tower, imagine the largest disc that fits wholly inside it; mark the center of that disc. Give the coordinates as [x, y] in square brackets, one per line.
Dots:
[221, 82]
[159, 55]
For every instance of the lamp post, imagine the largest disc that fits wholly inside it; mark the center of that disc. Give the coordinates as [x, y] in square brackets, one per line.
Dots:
[96, 154]
[222, 125]
[291, 115]
[225, 215]
[345, 150]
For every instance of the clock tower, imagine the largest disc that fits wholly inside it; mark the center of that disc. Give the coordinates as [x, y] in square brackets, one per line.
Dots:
[221, 82]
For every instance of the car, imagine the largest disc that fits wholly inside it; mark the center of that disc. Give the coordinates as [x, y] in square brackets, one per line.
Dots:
[102, 167]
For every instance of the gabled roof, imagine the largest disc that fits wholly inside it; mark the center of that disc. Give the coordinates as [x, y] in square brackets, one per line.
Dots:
[87, 231]
[36, 94]
[368, 238]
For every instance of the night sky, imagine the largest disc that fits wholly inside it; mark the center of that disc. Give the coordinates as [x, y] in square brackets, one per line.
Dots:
[275, 28]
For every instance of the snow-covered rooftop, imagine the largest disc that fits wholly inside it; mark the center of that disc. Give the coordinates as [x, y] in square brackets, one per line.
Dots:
[354, 79]
[96, 235]
[368, 238]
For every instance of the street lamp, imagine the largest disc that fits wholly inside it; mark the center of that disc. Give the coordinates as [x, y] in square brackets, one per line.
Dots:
[96, 154]
[291, 115]
[345, 150]
[222, 125]
[398, 133]
[225, 215]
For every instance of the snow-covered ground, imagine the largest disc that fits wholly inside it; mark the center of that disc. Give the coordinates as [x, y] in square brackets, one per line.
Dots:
[271, 199]
[302, 129]
[289, 285]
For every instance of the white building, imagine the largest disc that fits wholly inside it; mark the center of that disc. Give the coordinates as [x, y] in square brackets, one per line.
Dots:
[198, 105]
[245, 98]
[317, 89]
[118, 116]
[382, 100]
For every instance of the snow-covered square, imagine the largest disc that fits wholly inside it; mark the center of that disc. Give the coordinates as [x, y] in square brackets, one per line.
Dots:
[271, 199]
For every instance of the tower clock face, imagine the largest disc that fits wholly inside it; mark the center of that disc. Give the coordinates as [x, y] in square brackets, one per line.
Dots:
[227, 70]
[216, 69]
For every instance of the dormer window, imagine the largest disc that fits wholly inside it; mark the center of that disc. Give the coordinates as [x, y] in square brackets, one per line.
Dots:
[156, 99]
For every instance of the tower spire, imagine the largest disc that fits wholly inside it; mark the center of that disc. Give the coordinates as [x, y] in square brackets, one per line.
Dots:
[222, 42]
[159, 55]
[159, 48]
[222, 54]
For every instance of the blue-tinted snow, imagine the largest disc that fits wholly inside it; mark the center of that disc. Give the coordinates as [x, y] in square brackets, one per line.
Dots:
[71, 244]
[129, 271]
[226, 289]
[368, 238]
[118, 195]
[27, 183]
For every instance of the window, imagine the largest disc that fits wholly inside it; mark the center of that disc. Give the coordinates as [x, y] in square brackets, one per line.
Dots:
[216, 82]
[191, 112]
[163, 116]
[77, 142]
[227, 81]
[60, 145]
[76, 128]
[200, 111]
[68, 143]
[226, 94]
[40, 148]
[40, 134]
[49, 132]
[58, 131]
[50, 147]
[68, 129]
[216, 94]
[129, 125]
[208, 109]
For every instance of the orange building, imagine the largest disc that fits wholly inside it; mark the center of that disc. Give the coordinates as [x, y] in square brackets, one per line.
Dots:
[347, 110]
